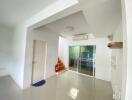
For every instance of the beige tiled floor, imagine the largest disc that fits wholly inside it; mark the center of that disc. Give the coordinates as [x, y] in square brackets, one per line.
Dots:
[67, 86]
[84, 71]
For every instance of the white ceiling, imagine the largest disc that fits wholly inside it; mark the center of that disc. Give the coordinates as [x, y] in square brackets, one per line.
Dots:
[100, 17]
[76, 22]
[13, 12]
[104, 16]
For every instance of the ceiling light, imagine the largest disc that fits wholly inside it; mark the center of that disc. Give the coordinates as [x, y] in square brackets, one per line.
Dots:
[70, 28]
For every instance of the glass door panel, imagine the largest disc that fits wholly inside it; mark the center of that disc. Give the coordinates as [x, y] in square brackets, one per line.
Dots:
[87, 60]
[74, 52]
[82, 59]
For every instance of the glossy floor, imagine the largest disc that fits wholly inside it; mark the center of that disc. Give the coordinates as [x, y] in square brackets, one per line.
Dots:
[83, 71]
[66, 86]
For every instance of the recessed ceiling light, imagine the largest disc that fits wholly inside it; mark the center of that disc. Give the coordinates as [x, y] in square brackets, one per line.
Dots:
[80, 34]
[70, 28]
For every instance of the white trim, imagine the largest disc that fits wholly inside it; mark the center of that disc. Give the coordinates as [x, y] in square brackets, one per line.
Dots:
[45, 62]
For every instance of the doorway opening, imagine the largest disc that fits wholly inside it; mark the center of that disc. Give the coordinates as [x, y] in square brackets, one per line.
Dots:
[39, 61]
[82, 59]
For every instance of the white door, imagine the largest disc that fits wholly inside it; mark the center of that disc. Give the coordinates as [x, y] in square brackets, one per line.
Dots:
[39, 60]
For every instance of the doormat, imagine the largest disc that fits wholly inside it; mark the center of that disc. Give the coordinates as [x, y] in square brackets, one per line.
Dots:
[40, 83]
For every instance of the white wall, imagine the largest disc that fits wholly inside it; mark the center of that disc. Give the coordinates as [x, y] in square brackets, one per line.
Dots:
[18, 68]
[116, 68]
[12, 52]
[6, 46]
[52, 40]
[18, 56]
[103, 69]
[64, 50]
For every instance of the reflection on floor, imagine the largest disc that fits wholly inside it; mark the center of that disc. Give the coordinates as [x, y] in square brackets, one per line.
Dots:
[84, 71]
[66, 86]
[73, 68]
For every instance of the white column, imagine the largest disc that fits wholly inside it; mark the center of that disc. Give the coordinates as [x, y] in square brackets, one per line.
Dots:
[127, 72]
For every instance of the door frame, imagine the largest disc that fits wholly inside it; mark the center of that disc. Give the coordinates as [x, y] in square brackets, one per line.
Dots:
[45, 62]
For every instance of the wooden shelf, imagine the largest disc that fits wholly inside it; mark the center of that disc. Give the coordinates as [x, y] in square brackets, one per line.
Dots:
[115, 45]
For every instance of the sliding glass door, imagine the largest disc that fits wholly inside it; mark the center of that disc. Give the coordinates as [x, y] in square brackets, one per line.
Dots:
[82, 59]
[87, 60]
[74, 52]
